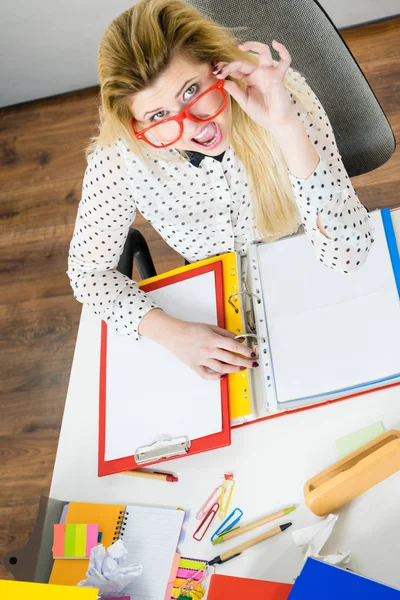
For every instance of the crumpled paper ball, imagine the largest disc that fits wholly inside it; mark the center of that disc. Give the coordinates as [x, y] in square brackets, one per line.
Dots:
[107, 571]
[312, 539]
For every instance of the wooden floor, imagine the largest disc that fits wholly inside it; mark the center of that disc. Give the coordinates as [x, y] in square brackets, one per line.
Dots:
[42, 158]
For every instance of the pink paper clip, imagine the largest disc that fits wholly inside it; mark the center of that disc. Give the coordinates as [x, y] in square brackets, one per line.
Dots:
[215, 495]
[206, 522]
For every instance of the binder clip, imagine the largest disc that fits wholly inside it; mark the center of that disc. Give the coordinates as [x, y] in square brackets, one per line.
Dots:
[228, 524]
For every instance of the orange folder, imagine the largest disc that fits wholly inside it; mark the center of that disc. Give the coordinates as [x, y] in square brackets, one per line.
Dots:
[224, 587]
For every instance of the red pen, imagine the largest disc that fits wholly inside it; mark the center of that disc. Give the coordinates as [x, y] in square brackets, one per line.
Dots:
[151, 475]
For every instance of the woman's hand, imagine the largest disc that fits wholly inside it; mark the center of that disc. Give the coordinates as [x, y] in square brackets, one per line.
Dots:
[209, 350]
[265, 98]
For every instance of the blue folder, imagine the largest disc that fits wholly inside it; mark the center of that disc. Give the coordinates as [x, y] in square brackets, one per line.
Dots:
[392, 244]
[326, 582]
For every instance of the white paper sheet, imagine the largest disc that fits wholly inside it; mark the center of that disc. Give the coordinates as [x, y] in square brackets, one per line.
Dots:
[313, 538]
[151, 537]
[329, 330]
[151, 394]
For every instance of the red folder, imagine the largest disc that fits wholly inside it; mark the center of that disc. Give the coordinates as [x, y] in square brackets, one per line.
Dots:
[223, 587]
[217, 440]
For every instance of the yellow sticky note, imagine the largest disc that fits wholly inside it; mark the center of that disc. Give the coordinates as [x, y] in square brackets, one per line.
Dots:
[80, 541]
[21, 590]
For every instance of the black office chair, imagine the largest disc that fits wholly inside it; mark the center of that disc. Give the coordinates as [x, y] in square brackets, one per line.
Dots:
[363, 133]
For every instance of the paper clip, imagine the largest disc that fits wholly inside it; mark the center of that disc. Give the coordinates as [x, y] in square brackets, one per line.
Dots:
[226, 495]
[214, 497]
[229, 523]
[206, 522]
[192, 587]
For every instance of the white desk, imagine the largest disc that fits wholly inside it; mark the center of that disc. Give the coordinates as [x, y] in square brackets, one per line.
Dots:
[271, 461]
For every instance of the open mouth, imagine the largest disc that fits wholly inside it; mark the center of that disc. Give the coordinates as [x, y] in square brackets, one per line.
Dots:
[209, 136]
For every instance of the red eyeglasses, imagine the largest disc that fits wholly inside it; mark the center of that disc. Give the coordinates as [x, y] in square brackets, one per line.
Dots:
[168, 131]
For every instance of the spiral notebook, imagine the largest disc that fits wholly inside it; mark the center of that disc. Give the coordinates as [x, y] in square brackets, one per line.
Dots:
[150, 535]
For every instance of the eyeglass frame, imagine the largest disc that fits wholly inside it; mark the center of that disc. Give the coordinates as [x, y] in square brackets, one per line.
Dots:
[184, 114]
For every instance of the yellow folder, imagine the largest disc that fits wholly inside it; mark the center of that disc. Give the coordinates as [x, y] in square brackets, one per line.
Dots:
[22, 590]
[239, 395]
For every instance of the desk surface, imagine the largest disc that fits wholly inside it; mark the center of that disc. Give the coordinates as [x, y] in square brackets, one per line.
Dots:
[271, 461]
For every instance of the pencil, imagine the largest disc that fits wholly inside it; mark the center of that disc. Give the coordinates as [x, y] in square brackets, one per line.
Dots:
[231, 534]
[239, 549]
[151, 475]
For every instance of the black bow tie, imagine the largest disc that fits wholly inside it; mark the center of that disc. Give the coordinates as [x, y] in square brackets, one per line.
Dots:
[195, 158]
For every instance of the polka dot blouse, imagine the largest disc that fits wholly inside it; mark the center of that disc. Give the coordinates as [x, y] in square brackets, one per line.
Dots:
[200, 211]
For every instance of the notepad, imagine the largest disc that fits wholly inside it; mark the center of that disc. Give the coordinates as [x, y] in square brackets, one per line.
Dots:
[151, 536]
[322, 337]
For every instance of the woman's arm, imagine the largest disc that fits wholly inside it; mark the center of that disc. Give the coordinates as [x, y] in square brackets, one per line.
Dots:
[105, 214]
[334, 219]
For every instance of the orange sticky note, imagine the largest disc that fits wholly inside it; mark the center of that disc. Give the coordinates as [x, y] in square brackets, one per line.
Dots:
[58, 543]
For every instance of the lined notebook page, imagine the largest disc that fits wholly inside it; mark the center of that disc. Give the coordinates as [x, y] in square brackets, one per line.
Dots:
[150, 393]
[151, 537]
[328, 330]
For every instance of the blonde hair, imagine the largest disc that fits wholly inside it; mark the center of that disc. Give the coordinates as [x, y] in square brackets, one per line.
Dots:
[139, 45]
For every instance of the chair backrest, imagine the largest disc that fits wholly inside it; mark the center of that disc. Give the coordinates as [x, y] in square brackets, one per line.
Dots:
[363, 133]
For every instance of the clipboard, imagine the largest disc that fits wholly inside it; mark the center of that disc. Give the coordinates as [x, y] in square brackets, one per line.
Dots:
[168, 447]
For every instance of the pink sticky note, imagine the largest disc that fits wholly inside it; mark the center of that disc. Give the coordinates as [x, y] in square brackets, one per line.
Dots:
[58, 543]
[91, 538]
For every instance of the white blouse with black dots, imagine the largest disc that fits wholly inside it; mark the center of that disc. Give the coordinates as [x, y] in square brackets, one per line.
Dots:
[200, 212]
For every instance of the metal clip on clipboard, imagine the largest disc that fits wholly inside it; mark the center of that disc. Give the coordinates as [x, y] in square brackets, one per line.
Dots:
[164, 448]
[250, 323]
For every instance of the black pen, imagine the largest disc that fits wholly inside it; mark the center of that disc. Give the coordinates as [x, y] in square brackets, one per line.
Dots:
[239, 549]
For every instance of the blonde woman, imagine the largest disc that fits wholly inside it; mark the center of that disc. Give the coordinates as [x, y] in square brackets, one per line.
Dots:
[217, 145]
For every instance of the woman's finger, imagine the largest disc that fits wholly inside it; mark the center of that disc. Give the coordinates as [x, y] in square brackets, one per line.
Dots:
[237, 360]
[204, 374]
[237, 93]
[218, 66]
[265, 56]
[285, 58]
[221, 331]
[240, 66]
[221, 367]
[234, 346]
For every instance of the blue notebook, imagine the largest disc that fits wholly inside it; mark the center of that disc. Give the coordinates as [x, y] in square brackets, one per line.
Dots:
[326, 582]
